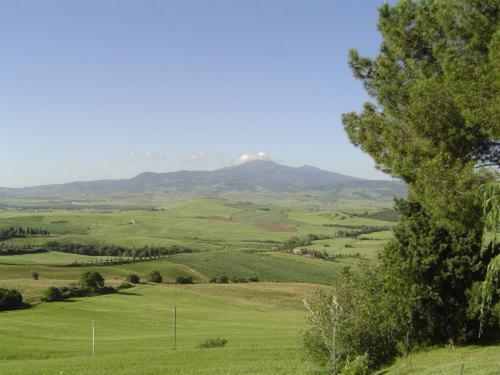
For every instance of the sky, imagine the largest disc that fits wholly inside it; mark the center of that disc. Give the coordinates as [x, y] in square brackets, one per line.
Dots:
[95, 89]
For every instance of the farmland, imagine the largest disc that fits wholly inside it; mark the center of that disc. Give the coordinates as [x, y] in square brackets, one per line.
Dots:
[262, 321]
[227, 237]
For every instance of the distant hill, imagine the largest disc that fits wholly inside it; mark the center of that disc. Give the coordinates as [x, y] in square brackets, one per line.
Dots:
[253, 176]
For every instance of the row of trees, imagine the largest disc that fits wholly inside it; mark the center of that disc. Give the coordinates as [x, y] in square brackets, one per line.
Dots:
[148, 252]
[20, 232]
[433, 122]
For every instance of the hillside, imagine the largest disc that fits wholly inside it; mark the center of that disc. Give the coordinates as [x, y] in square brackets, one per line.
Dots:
[254, 177]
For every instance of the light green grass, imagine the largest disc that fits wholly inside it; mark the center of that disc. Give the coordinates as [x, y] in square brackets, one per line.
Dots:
[266, 266]
[134, 334]
[203, 224]
[19, 276]
[48, 258]
[473, 360]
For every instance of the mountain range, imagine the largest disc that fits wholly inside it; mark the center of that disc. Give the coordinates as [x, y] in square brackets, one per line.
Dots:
[254, 176]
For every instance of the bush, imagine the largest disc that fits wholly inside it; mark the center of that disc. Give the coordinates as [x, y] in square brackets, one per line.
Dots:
[366, 320]
[223, 279]
[53, 294]
[10, 299]
[184, 280]
[213, 343]
[254, 279]
[35, 275]
[238, 280]
[358, 366]
[133, 278]
[213, 280]
[92, 281]
[154, 277]
[125, 285]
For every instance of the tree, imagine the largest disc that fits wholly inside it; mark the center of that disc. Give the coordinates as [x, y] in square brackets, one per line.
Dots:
[35, 275]
[434, 123]
[133, 278]
[52, 294]
[10, 299]
[434, 119]
[92, 281]
[154, 277]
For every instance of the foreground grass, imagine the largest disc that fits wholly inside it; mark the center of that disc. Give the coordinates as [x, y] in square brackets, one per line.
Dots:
[134, 332]
[450, 360]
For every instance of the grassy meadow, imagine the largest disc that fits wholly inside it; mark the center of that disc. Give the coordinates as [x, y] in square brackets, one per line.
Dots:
[262, 321]
[134, 332]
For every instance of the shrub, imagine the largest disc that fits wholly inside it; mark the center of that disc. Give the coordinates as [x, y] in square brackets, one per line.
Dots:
[184, 280]
[10, 299]
[223, 279]
[358, 366]
[154, 277]
[92, 281]
[254, 279]
[125, 285]
[363, 317]
[53, 294]
[213, 343]
[213, 280]
[133, 278]
[35, 275]
[239, 280]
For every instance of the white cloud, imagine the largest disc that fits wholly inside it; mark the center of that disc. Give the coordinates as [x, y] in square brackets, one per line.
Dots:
[249, 157]
[153, 155]
[149, 155]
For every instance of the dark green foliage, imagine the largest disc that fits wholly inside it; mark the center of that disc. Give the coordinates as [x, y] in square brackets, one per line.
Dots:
[213, 343]
[35, 275]
[223, 279]
[53, 294]
[125, 285]
[440, 266]
[133, 278]
[10, 299]
[435, 87]
[184, 280]
[147, 252]
[154, 277]
[19, 232]
[254, 279]
[92, 281]
[13, 249]
[238, 280]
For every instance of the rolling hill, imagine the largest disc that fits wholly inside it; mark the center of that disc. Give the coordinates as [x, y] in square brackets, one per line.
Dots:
[254, 177]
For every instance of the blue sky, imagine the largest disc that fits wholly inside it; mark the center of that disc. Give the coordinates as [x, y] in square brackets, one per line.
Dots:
[108, 89]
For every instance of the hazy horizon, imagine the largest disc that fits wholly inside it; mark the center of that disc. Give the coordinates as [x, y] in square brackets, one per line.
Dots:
[107, 90]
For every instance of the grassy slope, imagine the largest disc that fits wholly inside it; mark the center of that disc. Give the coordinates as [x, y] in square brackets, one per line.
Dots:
[458, 360]
[267, 266]
[134, 332]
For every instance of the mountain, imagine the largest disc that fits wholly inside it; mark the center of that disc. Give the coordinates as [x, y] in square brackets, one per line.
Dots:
[253, 176]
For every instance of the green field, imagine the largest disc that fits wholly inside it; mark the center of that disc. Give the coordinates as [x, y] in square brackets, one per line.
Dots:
[261, 320]
[480, 360]
[134, 332]
[203, 224]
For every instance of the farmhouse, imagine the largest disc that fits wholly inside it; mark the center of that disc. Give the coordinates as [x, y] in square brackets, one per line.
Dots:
[297, 251]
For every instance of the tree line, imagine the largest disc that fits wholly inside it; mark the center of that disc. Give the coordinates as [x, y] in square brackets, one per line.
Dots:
[145, 252]
[20, 232]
